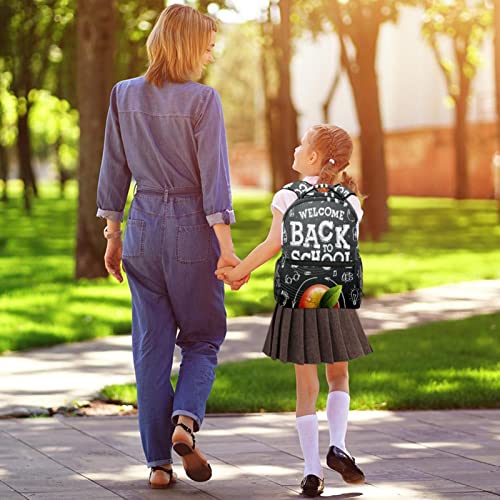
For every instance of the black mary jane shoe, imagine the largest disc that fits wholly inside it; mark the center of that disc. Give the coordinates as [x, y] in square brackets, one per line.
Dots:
[345, 465]
[162, 486]
[312, 486]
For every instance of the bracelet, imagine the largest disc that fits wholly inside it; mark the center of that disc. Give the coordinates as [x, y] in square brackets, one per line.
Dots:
[110, 236]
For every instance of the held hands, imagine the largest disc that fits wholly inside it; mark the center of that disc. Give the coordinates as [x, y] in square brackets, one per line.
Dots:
[225, 272]
[113, 258]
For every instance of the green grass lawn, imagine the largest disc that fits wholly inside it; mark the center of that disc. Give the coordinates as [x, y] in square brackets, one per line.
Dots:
[432, 241]
[449, 364]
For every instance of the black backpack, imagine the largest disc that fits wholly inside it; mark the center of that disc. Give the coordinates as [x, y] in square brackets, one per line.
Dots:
[320, 265]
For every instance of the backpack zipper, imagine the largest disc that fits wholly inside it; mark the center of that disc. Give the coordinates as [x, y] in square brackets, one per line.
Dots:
[324, 263]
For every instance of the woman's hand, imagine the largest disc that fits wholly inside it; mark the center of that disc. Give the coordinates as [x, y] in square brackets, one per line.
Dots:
[113, 258]
[227, 274]
[231, 260]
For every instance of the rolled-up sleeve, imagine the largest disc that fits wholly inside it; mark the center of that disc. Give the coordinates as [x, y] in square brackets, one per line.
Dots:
[211, 144]
[114, 176]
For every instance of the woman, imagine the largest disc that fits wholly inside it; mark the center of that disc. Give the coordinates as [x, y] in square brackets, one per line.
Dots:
[167, 132]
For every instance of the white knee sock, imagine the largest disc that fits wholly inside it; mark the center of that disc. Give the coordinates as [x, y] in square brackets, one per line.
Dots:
[337, 412]
[307, 427]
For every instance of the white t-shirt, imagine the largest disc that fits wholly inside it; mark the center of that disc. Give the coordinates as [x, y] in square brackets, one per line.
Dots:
[284, 198]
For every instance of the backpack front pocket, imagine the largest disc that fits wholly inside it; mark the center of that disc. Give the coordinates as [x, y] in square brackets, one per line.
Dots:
[293, 279]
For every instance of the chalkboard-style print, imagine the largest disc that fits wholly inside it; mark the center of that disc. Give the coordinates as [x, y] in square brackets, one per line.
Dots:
[320, 248]
[311, 298]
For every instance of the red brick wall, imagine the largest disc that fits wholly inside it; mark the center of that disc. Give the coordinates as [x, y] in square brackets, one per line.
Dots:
[419, 162]
[422, 162]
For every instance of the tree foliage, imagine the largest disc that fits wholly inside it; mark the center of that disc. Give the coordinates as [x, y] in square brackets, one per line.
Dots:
[30, 49]
[236, 76]
[135, 21]
[463, 24]
[278, 30]
[357, 25]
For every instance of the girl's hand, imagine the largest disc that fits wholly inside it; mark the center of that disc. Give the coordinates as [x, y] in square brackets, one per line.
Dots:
[228, 274]
[113, 258]
[230, 260]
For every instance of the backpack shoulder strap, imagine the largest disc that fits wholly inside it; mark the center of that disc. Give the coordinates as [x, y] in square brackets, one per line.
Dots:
[342, 192]
[300, 188]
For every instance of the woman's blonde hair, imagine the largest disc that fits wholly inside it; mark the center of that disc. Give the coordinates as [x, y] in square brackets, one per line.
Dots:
[177, 43]
[334, 146]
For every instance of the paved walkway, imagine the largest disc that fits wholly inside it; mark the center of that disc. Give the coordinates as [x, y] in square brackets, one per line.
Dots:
[408, 455]
[58, 375]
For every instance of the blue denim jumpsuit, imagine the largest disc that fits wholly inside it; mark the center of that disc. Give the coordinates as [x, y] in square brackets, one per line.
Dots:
[172, 141]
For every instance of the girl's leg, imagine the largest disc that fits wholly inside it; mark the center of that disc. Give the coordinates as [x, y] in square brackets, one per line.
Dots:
[337, 411]
[337, 405]
[307, 385]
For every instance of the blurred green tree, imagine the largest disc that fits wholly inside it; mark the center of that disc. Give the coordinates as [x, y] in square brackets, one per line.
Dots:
[463, 24]
[357, 24]
[496, 31]
[278, 26]
[30, 48]
[236, 76]
[135, 20]
[8, 129]
[54, 130]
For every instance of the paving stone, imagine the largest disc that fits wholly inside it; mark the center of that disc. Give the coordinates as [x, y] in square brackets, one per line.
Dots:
[177, 492]
[72, 495]
[5, 490]
[480, 480]
[388, 475]
[95, 456]
[487, 459]
[10, 495]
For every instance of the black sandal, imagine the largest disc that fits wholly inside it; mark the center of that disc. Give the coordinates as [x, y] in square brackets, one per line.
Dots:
[162, 486]
[183, 448]
[195, 464]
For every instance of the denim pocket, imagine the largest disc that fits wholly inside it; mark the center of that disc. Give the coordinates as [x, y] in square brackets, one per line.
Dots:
[133, 243]
[193, 243]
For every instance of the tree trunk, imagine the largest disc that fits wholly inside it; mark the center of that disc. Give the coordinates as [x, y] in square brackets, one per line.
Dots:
[364, 84]
[95, 28]
[281, 116]
[331, 93]
[63, 174]
[287, 120]
[4, 171]
[376, 214]
[460, 131]
[460, 145]
[24, 156]
[269, 112]
[496, 31]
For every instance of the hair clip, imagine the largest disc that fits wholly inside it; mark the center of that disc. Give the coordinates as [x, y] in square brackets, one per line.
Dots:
[332, 161]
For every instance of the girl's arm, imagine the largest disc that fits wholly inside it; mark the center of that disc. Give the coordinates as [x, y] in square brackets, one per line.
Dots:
[259, 255]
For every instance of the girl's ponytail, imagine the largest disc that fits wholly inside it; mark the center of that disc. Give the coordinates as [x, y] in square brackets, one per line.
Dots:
[334, 145]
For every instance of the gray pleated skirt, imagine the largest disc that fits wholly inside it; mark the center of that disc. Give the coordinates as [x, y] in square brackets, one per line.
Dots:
[313, 336]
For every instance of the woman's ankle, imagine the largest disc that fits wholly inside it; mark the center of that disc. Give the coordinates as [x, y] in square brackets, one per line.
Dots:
[163, 466]
[185, 420]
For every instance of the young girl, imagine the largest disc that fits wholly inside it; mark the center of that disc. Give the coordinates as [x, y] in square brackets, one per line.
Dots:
[321, 158]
